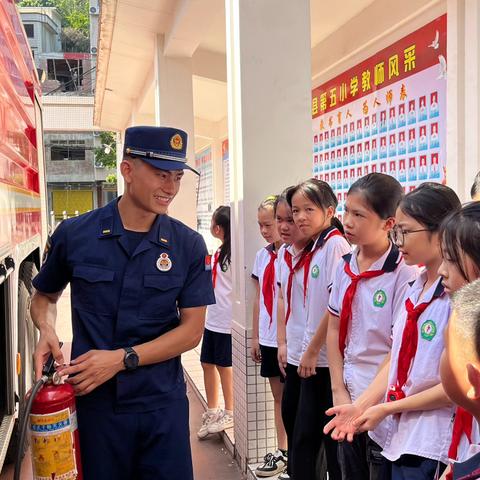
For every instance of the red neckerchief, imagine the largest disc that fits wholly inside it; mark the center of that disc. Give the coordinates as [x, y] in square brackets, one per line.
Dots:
[215, 265]
[462, 425]
[408, 348]
[391, 263]
[268, 284]
[304, 262]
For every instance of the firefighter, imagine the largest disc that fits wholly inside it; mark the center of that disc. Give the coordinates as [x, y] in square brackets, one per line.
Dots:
[140, 283]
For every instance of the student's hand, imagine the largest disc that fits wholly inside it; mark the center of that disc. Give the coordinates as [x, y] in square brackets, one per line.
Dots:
[255, 351]
[47, 343]
[282, 358]
[308, 364]
[342, 426]
[92, 369]
[341, 397]
[372, 416]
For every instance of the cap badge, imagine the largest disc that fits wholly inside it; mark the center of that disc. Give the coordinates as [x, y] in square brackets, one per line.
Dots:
[164, 264]
[176, 142]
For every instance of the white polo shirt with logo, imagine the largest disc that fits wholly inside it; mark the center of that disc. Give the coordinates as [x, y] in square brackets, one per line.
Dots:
[426, 433]
[369, 336]
[219, 315]
[298, 313]
[267, 327]
[328, 253]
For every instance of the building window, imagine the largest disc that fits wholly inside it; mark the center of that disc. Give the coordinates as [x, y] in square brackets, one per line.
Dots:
[67, 150]
[29, 30]
[68, 72]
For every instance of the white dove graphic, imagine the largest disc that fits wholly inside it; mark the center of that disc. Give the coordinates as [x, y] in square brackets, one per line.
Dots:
[434, 44]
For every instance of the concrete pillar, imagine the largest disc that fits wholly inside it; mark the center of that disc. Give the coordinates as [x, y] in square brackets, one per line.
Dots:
[174, 108]
[463, 93]
[120, 182]
[269, 91]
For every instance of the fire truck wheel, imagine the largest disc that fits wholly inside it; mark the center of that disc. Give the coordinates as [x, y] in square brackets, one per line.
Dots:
[27, 338]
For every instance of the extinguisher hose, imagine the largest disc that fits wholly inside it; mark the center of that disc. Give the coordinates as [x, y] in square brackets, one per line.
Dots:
[23, 425]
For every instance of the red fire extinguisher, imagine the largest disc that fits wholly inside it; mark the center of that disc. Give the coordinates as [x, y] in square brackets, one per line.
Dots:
[54, 437]
[55, 442]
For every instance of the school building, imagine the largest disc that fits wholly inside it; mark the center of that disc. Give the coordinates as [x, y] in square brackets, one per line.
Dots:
[272, 92]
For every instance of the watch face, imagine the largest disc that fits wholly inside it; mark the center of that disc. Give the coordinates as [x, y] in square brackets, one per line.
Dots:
[131, 360]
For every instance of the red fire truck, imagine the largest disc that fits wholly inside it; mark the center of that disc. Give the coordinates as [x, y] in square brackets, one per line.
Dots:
[23, 219]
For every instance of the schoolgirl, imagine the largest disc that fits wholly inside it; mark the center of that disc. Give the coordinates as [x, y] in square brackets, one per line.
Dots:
[369, 287]
[313, 205]
[264, 337]
[290, 333]
[216, 352]
[460, 238]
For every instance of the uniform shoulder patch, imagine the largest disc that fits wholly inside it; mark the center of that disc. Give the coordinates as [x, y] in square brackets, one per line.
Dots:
[208, 263]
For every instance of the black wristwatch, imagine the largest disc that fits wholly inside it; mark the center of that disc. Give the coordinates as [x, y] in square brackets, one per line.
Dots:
[130, 360]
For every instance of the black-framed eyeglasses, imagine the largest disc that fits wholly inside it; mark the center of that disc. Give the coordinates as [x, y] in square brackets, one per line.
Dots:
[397, 234]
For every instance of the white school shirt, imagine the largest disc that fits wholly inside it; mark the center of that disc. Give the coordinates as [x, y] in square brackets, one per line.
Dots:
[267, 327]
[298, 314]
[369, 336]
[219, 315]
[426, 433]
[328, 252]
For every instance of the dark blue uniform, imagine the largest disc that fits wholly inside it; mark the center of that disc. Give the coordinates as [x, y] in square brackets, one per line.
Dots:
[134, 426]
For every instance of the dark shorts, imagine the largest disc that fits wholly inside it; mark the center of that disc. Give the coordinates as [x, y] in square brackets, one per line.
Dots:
[269, 367]
[216, 348]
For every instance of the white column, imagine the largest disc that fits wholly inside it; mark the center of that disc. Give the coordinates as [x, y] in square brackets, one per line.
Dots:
[120, 182]
[463, 95]
[269, 91]
[174, 108]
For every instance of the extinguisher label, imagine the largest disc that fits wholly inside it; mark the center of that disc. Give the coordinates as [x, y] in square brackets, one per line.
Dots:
[52, 446]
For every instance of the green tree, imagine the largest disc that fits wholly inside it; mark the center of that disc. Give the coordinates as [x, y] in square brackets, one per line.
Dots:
[74, 12]
[106, 154]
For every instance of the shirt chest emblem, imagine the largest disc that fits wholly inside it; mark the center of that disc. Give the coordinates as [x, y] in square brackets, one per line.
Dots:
[164, 264]
[379, 298]
[428, 330]
[315, 271]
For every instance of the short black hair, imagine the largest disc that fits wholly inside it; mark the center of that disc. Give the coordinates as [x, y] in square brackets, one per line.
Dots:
[429, 204]
[460, 234]
[475, 190]
[221, 217]
[381, 192]
[467, 308]
[320, 193]
[282, 198]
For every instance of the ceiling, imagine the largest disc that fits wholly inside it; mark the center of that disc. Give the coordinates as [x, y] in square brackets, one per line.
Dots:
[190, 27]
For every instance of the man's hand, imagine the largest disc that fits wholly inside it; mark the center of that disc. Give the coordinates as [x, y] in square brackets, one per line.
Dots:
[308, 364]
[92, 369]
[343, 424]
[282, 358]
[255, 351]
[370, 419]
[47, 343]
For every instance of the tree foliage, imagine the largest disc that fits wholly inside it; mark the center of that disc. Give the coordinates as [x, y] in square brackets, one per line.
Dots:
[106, 155]
[74, 12]
[75, 21]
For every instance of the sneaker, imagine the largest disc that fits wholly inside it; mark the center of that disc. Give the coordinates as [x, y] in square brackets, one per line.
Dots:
[223, 421]
[207, 418]
[274, 463]
[284, 476]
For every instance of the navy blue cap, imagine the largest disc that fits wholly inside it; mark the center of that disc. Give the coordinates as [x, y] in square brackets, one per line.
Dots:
[162, 147]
